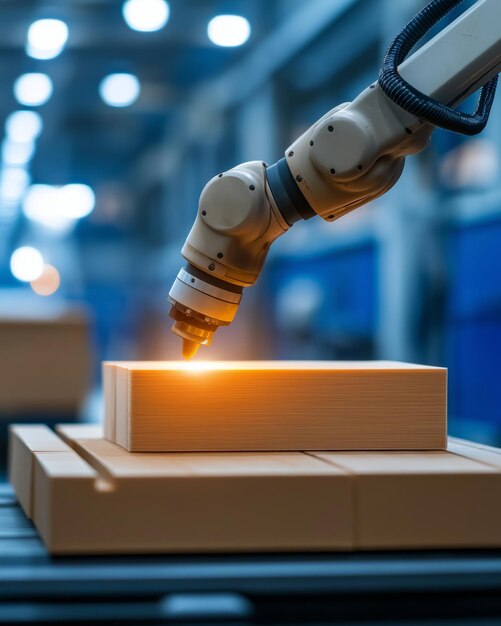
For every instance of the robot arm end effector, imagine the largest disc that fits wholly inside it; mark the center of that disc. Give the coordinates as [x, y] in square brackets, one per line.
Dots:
[237, 220]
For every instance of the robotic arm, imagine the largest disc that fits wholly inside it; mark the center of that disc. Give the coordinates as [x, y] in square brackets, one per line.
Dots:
[350, 156]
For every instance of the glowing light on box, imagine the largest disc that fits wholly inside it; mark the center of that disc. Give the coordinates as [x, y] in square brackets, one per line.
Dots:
[48, 282]
[229, 30]
[146, 15]
[33, 89]
[120, 90]
[17, 153]
[13, 183]
[195, 367]
[23, 126]
[26, 264]
[210, 365]
[46, 38]
[76, 200]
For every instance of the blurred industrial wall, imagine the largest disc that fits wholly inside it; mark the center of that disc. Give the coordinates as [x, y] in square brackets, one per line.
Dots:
[413, 276]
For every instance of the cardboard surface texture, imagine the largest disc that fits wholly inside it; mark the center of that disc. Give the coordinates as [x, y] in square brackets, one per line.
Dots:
[258, 406]
[418, 499]
[99, 498]
[89, 495]
[24, 442]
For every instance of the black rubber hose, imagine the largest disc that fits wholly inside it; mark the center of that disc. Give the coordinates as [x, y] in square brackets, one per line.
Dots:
[419, 104]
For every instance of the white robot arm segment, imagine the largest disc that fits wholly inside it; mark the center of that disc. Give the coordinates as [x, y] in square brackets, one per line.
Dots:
[350, 156]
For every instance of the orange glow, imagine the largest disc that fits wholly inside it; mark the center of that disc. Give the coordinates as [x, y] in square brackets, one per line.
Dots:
[210, 366]
[195, 367]
[48, 282]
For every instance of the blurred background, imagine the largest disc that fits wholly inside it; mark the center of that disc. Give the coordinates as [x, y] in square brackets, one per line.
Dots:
[113, 115]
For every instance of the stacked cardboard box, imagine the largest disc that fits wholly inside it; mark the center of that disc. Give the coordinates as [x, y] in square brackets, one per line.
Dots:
[251, 406]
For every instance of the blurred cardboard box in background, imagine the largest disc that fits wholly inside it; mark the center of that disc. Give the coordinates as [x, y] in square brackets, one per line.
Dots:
[45, 362]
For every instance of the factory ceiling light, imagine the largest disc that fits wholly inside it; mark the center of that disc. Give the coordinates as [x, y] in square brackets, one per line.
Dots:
[17, 153]
[22, 126]
[33, 89]
[146, 15]
[13, 183]
[76, 200]
[58, 208]
[26, 264]
[46, 38]
[120, 90]
[41, 205]
[229, 30]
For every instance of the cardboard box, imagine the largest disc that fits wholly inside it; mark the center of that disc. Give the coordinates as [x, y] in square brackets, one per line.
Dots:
[295, 405]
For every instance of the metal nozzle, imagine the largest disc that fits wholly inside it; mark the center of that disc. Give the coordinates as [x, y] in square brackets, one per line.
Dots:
[193, 337]
[193, 331]
[190, 348]
[200, 307]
